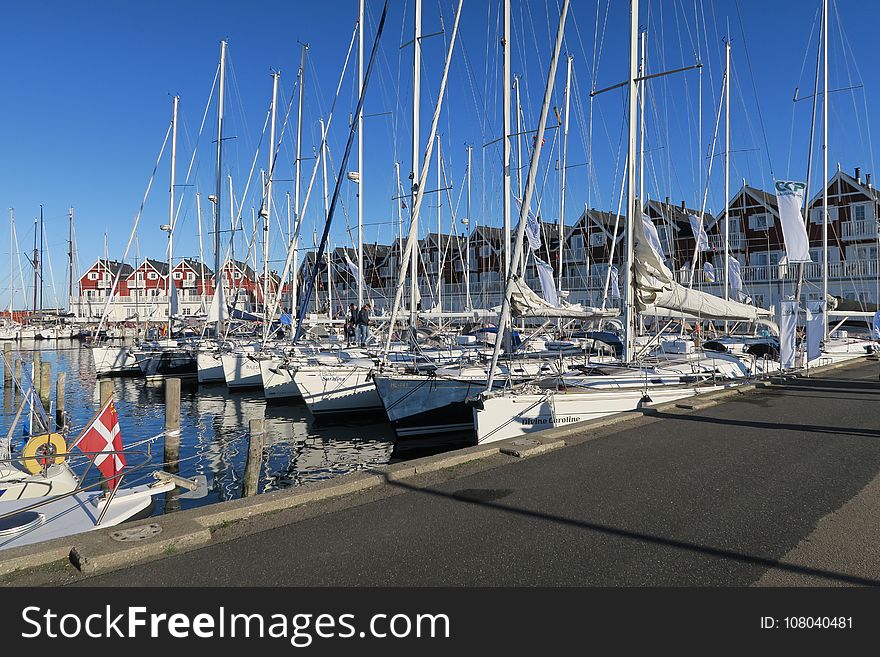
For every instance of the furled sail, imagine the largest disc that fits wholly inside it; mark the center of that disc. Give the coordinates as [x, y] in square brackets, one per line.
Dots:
[655, 286]
[525, 302]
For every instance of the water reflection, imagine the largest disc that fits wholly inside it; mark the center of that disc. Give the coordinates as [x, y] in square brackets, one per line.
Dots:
[214, 428]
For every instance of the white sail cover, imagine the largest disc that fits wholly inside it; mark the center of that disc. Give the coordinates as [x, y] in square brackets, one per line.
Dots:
[525, 302]
[656, 286]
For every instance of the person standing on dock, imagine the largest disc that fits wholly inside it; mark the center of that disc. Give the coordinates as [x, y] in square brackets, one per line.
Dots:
[363, 325]
[350, 323]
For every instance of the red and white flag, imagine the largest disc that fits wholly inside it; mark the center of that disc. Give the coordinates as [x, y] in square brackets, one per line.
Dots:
[100, 439]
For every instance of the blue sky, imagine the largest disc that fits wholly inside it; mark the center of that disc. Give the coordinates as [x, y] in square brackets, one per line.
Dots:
[87, 100]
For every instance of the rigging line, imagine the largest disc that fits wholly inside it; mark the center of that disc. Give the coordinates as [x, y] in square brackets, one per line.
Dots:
[133, 230]
[352, 131]
[754, 88]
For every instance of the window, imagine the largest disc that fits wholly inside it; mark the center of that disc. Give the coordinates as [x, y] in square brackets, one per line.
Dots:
[178, 276]
[816, 214]
[761, 221]
[485, 251]
[93, 276]
[152, 276]
[859, 212]
[190, 276]
[597, 239]
[577, 242]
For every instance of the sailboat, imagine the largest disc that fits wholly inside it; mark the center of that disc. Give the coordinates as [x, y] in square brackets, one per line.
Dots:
[651, 287]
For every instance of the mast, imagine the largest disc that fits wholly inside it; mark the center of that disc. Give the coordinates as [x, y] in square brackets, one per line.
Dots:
[218, 190]
[326, 211]
[631, 200]
[266, 210]
[36, 262]
[11, 261]
[69, 257]
[504, 319]
[201, 248]
[642, 90]
[562, 175]
[727, 171]
[360, 136]
[505, 138]
[825, 167]
[467, 237]
[42, 228]
[519, 265]
[417, 85]
[294, 269]
[171, 214]
[439, 241]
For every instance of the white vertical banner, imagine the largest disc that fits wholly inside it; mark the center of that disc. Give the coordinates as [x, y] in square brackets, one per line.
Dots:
[790, 198]
[815, 329]
[174, 301]
[788, 316]
[735, 277]
[548, 285]
[709, 272]
[875, 326]
[699, 231]
[652, 237]
[355, 272]
[614, 291]
[533, 227]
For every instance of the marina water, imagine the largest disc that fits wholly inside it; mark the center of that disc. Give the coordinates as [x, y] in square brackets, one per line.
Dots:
[214, 429]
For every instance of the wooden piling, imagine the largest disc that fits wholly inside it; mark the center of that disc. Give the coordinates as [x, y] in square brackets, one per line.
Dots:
[17, 375]
[172, 406]
[60, 388]
[35, 373]
[7, 365]
[45, 385]
[251, 483]
[106, 390]
[171, 452]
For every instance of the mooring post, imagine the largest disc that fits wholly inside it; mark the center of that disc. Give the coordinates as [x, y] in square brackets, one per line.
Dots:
[7, 365]
[106, 391]
[172, 406]
[257, 432]
[17, 375]
[46, 385]
[35, 373]
[60, 386]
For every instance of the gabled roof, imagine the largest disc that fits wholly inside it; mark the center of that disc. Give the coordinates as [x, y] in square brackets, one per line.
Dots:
[871, 192]
[196, 266]
[111, 266]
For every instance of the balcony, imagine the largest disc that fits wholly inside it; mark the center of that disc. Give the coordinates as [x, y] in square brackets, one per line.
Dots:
[737, 242]
[866, 229]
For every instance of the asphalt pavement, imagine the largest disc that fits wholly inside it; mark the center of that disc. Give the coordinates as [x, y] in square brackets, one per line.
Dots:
[720, 496]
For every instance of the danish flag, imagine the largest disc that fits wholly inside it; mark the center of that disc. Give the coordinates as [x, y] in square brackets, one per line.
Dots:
[100, 439]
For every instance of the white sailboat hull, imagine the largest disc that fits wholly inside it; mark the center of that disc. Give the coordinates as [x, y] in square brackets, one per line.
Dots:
[114, 360]
[278, 382]
[511, 415]
[241, 370]
[210, 367]
[337, 388]
[79, 513]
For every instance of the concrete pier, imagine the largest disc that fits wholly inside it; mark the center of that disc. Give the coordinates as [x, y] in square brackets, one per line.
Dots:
[771, 485]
